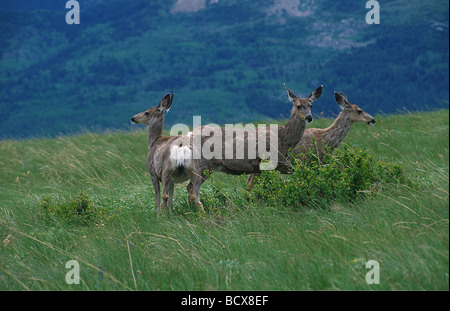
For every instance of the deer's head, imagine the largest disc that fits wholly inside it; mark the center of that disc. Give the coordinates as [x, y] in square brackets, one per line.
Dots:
[355, 114]
[302, 106]
[155, 113]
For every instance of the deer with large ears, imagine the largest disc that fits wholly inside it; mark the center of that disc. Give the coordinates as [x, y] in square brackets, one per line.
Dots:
[287, 138]
[331, 136]
[169, 159]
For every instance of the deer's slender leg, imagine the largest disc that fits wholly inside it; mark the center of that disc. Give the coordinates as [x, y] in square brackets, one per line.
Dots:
[197, 179]
[165, 195]
[251, 180]
[171, 187]
[190, 188]
[155, 182]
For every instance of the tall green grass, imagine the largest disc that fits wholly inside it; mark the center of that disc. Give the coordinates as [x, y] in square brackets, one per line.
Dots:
[240, 243]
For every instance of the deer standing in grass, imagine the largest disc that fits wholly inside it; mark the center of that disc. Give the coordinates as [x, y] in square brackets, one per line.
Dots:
[287, 138]
[169, 159]
[331, 136]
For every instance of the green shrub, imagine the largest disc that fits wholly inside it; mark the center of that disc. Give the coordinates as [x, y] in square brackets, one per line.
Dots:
[390, 173]
[345, 176]
[215, 201]
[219, 203]
[79, 211]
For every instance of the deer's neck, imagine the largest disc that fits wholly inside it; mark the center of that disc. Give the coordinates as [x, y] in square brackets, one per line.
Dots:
[291, 134]
[154, 131]
[337, 131]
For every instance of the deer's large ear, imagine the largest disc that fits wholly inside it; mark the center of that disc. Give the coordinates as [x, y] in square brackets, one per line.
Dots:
[340, 99]
[291, 94]
[315, 94]
[342, 94]
[171, 100]
[165, 102]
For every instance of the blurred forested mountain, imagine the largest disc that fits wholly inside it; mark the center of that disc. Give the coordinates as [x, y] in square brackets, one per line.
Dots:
[226, 60]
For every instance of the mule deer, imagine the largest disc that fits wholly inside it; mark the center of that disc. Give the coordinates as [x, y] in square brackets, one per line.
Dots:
[331, 136]
[169, 159]
[287, 137]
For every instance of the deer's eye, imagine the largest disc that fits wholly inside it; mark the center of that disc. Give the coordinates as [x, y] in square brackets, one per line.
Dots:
[359, 111]
[146, 113]
[299, 107]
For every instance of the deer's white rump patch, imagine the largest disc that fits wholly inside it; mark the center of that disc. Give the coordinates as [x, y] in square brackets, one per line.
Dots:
[180, 157]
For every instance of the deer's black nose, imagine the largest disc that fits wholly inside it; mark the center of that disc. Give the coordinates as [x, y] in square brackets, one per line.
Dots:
[132, 120]
[309, 118]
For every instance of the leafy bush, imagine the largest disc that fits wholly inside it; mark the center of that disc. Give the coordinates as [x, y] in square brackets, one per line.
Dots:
[346, 175]
[219, 203]
[215, 201]
[79, 211]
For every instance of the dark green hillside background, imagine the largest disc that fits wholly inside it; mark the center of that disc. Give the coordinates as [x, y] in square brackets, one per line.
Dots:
[226, 60]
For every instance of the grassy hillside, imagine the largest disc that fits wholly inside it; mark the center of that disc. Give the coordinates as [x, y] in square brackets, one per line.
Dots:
[243, 243]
